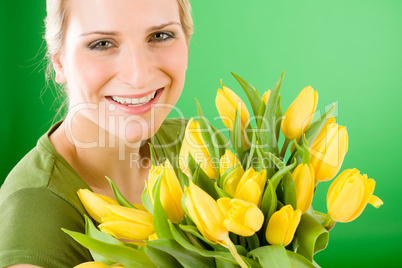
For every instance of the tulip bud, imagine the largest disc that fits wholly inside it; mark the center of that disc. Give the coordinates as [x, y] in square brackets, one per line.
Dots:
[251, 186]
[170, 192]
[194, 143]
[95, 204]
[328, 151]
[282, 226]
[300, 113]
[91, 264]
[231, 181]
[265, 96]
[303, 177]
[205, 213]
[127, 223]
[349, 194]
[227, 102]
[242, 218]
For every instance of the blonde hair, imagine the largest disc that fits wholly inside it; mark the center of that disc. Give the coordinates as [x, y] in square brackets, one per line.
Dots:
[55, 21]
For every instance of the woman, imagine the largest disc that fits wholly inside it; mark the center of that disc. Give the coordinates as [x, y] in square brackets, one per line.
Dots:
[123, 65]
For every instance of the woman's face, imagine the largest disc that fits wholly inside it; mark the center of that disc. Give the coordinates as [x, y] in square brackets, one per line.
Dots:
[124, 63]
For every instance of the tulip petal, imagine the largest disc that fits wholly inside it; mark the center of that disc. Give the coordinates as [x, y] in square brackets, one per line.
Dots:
[276, 229]
[375, 201]
[127, 230]
[348, 199]
[368, 188]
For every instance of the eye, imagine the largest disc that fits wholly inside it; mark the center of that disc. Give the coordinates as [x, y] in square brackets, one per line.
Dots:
[101, 45]
[162, 36]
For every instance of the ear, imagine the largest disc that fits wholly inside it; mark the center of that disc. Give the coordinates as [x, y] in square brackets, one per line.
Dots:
[59, 68]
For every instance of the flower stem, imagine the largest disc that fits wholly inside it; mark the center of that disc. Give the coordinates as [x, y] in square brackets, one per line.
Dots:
[328, 223]
[284, 148]
[193, 240]
[234, 252]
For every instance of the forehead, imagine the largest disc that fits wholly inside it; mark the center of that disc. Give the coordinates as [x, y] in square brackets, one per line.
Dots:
[85, 15]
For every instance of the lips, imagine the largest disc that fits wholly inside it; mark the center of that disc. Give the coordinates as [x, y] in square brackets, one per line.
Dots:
[135, 104]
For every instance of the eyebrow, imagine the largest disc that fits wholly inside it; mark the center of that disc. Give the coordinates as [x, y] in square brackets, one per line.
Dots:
[114, 33]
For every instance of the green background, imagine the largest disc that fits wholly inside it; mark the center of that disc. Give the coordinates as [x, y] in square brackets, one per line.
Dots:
[350, 51]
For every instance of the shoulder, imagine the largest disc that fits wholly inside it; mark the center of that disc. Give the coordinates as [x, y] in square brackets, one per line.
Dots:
[37, 199]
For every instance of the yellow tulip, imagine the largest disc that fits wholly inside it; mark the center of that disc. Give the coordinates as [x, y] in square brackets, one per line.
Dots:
[328, 151]
[242, 218]
[194, 143]
[227, 102]
[170, 193]
[205, 213]
[265, 96]
[300, 113]
[229, 160]
[127, 223]
[91, 264]
[349, 194]
[95, 204]
[153, 237]
[152, 176]
[282, 226]
[251, 186]
[303, 177]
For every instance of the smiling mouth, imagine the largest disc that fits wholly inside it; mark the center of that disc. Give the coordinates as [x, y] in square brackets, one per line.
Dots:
[135, 102]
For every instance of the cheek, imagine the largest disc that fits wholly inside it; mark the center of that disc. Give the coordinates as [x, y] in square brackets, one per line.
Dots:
[175, 62]
[85, 76]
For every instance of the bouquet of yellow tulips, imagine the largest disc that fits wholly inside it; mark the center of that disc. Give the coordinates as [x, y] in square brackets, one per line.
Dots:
[234, 202]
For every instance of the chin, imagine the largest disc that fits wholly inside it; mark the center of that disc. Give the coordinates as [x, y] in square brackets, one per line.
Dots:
[135, 129]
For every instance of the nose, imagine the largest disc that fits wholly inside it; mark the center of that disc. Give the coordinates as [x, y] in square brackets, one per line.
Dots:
[135, 67]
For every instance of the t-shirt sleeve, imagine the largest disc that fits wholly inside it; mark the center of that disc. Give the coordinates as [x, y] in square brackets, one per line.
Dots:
[30, 230]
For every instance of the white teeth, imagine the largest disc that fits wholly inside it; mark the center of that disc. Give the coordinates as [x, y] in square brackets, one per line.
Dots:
[134, 101]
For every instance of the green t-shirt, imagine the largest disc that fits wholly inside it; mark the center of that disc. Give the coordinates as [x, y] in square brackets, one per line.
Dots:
[39, 197]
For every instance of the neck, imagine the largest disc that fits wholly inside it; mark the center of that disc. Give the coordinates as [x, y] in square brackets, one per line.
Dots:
[95, 153]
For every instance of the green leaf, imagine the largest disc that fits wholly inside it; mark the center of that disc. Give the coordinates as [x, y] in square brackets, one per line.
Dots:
[161, 258]
[223, 264]
[161, 223]
[183, 178]
[236, 137]
[93, 232]
[289, 190]
[221, 192]
[261, 113]
[276, 178]
[253, 241]
[207, 134]
[269, 202]
[274, 256]
[267, 132]
[187, 258]
[201, 179]
[278, 162]
[127, 256]
[252, 94]
[298, 261]
[303, 151]
[154, 159]
[312, 237]
[119, 196]
[182, 240]
[146, 200]
[252, 150]
[278, 117]
[315, 128]
[264, 161]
